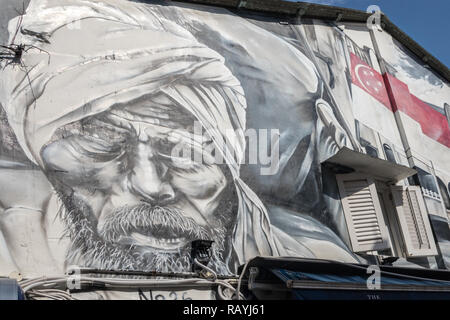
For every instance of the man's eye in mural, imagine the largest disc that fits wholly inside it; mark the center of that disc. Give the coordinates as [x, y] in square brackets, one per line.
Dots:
[187, 153]
[99, 149]
[95, 139]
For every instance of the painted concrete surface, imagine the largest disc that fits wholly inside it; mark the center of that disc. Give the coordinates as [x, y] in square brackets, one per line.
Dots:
[106, 94]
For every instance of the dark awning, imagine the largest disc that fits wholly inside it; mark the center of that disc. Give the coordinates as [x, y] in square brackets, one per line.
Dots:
[364, 163]
[314, 279]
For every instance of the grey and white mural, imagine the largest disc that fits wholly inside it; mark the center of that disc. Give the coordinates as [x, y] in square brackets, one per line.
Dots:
[99, 97]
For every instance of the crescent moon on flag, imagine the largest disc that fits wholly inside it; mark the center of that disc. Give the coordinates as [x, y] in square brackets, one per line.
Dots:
[359, 66]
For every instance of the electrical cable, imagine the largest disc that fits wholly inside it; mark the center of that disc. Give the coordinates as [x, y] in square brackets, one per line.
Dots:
[51, 287]
[240, 280]
[219, 282]
[40, 286]
[221, 294]
[214, 274]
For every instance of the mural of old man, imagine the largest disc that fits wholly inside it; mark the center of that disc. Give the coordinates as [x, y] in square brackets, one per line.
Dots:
[97, 118]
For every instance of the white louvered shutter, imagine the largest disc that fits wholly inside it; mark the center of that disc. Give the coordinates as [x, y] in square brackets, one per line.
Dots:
[414, 222]
[362, 211]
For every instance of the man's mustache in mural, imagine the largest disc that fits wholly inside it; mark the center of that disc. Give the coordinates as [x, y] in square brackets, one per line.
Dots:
[141, 237]
[151, 225]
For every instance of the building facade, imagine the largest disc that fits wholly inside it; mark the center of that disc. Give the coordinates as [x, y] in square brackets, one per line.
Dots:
[130, 129]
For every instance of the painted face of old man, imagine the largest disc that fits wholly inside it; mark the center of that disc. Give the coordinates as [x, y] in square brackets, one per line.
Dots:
[131, 202]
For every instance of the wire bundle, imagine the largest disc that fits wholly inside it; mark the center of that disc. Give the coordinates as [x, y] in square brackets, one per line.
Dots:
[56, 288]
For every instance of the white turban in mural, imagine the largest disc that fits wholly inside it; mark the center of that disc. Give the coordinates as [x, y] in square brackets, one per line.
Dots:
[125, 55]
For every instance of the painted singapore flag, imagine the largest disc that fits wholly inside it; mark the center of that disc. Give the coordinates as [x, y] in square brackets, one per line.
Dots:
[387, 89]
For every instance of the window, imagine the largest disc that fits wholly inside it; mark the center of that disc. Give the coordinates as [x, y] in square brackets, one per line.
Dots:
[447, 112]
[445, 196]
[381, 217]
[430, 192]
[371, 151]
[367, 139]
[389, 153]
[448, 209]
[444, 193]
[427, 182]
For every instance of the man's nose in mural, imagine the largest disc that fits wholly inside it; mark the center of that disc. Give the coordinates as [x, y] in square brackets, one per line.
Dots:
[149, 179]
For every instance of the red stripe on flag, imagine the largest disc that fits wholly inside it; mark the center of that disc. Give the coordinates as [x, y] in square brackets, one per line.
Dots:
[398, 91]
[433, 123]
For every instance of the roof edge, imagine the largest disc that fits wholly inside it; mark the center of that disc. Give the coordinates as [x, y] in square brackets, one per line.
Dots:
[326, 12]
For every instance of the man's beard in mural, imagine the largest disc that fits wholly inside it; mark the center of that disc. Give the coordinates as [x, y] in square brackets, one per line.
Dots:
[113, 248]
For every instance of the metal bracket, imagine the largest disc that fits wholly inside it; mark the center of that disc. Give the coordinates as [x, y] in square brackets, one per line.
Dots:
[254, 271]
[301, 12]
[242, 4]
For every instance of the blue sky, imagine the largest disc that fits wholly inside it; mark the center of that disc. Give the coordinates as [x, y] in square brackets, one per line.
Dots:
[426, 21]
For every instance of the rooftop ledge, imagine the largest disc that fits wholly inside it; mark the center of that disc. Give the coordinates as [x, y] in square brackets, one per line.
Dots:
[326, 12]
